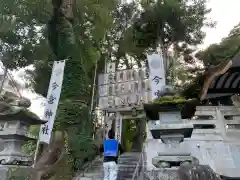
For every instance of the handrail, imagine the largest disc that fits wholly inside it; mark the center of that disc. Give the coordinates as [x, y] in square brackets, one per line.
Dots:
[136, 169]
[140, 162]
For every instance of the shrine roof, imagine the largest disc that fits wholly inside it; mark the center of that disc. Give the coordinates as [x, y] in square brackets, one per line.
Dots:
[23, 115]
[225, 84]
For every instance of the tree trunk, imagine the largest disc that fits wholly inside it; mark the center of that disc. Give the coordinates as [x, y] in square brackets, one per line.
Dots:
[46, 164]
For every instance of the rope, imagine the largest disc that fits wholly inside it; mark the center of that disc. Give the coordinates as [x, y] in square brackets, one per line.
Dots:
[14, 85]
[4, 78]
[15, 88]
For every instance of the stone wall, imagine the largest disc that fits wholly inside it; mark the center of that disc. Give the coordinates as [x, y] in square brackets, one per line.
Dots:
[218, 147]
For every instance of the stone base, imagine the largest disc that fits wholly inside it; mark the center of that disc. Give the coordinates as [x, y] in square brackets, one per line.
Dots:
[169, 160]
[14, 172]
[196, 172]
[162, 174]
[229, 173]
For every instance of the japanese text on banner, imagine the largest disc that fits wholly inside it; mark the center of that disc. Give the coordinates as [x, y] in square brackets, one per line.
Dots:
[53, 96]
[156, 74]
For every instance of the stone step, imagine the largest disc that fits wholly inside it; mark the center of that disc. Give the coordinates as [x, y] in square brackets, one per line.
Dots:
[87, 178]
[125, 175]
[94, 169]
[90, 174]
[93, 172]
[127, 164]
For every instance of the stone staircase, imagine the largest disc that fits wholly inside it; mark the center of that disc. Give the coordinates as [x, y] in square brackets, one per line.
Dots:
[127, 164]
[93, 172]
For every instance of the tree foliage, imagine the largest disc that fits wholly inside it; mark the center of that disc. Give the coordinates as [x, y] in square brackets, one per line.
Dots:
[172, 23]
[20, 35]
[216, 53]
[36, 33]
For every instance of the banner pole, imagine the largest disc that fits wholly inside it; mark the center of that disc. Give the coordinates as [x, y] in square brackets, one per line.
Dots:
[36, 153]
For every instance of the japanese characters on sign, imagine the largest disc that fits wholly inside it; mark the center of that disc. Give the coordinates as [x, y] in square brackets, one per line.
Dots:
[54, 92]
[48, 113]
[45, 130]
[156, 79]
[157, 74]
[118, 126]
[123, 88]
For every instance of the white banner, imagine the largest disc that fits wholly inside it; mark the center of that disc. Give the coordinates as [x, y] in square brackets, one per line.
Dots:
[156, 74]
[53, 96]
[118, 127]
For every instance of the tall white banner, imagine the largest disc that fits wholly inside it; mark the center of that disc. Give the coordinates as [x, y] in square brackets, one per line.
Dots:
[156, 74]
[118, 127]
[53, 96]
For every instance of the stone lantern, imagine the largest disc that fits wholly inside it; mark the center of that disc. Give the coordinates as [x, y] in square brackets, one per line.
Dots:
[167, 125]
[14, 132]
[15, 120]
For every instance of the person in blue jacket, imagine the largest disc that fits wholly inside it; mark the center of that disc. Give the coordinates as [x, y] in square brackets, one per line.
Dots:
[110, 162]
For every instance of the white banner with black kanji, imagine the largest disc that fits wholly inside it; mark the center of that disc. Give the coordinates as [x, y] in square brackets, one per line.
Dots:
[118, 127]
[156, 74]
[53, 96]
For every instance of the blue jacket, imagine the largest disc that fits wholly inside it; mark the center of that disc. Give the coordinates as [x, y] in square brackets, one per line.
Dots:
[111, 158]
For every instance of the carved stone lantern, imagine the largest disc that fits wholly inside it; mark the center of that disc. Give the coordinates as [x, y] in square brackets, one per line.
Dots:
[15, 120]
[165, 123]
[14, 132]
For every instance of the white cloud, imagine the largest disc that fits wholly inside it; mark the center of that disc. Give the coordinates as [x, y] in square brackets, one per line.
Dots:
[226, 13]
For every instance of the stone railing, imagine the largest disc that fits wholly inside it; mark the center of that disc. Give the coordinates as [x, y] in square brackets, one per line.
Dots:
[129, 166]
[139, 170]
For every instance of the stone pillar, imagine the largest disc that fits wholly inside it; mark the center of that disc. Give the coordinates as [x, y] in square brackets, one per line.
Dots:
[172, 153]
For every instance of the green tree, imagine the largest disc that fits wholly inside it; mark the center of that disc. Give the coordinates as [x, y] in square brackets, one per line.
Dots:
[88, 34]
[77, 34]
[171, 23]
[21, 31]
[131, 35]
[41, 32]
[176, 24]
[216, 53]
